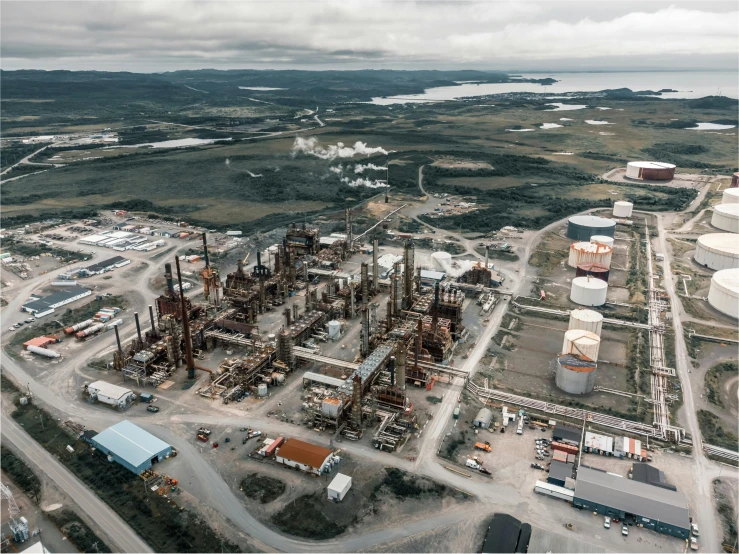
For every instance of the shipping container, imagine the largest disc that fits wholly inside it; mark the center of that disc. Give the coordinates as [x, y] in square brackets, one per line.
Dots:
[272, 447]
[567, 448]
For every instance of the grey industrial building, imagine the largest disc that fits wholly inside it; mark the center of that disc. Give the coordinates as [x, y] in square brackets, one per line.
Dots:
[131, 446]
[559, 472]
[644, 473]
[41, 306]
[567, 433]
[662, 510]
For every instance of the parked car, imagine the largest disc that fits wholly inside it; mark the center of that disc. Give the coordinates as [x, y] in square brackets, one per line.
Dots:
[12, 328]
[624, 530]
[694, 530]
[485, 471]
[607, 523]
[693, 543]
[152, 409]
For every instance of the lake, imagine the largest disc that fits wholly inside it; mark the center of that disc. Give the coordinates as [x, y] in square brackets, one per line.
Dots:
[690, 84]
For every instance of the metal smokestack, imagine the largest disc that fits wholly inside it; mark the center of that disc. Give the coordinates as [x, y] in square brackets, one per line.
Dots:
[151, 318]
[168, 277]
[189, 361]
[375, 267]
[138, 328]
[391, 369]
[205, 251]
[118, 340]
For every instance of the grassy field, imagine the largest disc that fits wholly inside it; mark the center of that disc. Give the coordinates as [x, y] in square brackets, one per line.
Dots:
[249, 181]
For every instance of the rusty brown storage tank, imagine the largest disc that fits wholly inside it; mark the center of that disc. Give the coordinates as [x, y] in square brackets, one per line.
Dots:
[599, 271]
[734, 180]
[650, 171]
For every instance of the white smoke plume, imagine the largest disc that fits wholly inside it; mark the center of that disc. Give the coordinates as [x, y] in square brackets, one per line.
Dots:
[369, 183]
[359, 168]
[333, 151]
[337, 169]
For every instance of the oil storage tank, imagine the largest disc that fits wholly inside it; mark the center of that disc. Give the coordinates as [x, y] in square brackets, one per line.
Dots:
[621, 208]
[581, 342]
[731, 195]
[726, 217]
[589, 252]
[574, 374]
[717, 251]
[586, 320]
[724, 292]
[582, 227]
[442, 260]
[650, 171]
[588, 291]
[734, 180]
[602, 239]
[599, 271]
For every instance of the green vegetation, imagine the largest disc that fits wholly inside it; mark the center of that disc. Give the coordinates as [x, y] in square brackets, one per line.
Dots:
[20, 473]
[28, 250]
[164, 525]
[725, 508]
[405, 485]
[714, 377]
[77, 531]
[303, 517]
[262, 488]
[714, 432]
[15, 152]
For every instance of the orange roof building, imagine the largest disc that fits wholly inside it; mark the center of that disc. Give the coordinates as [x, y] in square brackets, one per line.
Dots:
[304, 455]
[41, 342]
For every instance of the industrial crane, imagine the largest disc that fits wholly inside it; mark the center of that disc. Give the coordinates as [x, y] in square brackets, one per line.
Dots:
[18, 525]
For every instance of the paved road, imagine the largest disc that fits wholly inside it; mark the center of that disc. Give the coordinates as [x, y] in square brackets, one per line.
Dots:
[24, 160]
[124, 538]
[703, 511]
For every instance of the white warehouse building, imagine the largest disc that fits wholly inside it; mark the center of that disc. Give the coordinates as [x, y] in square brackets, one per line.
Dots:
[724, 292]
[108, 393]
[718, 251]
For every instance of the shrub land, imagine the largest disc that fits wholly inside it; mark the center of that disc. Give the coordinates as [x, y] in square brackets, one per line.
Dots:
[714, 432]
[262, 488]
[714, 377]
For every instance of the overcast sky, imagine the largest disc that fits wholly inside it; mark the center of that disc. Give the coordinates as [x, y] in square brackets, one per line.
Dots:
[346, 34]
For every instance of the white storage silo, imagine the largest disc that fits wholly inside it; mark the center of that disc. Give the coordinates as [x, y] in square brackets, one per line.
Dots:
[588, 291]
[581, 342]
[730, 196]
[602, 239]
[574, 374]
[724, 292]
[262, 389]
[586, 320]
[334, 329]
[442, 260]
[589, 252]
[717, 251]
[621, 208]
[726, 217]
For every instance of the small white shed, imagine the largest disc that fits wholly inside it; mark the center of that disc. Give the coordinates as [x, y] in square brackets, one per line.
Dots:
[338, 488]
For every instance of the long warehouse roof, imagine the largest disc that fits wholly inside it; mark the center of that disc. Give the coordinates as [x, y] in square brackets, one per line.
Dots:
[632, 497]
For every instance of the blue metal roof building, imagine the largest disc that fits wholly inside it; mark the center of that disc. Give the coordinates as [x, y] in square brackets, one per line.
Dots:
[131, 446]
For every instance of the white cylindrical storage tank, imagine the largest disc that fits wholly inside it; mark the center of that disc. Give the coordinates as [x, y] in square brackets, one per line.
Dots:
[43, 351]
[574, 374]
[442, 260]
[726, 217]
[586, 320]
[272, 338]
[278, 378]
[262, 389]
[581, 342]
[588, 291]
[602, 239]
[650, 171]
[589, 252]
[731, 196]
[334, 329]
[724, 292]
[621, 208]
[718, 251]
